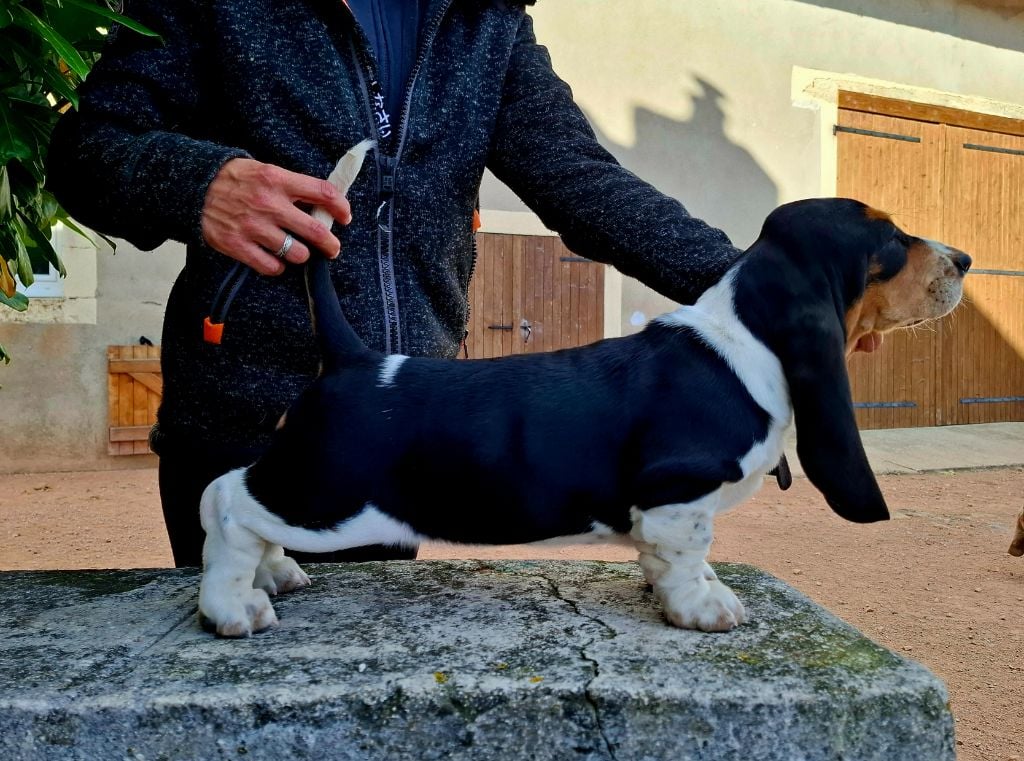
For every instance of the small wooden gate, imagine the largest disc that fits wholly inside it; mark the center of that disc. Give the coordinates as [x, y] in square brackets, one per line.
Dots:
[530, 293]
[135, 387]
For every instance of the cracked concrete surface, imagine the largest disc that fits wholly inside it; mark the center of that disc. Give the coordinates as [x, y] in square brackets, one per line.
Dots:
[452, 660]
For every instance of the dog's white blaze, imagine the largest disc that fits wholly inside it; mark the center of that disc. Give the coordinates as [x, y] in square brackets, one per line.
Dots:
[714, 318]
[674, 540]
[941, 248]
[370, 526]
[389, 369]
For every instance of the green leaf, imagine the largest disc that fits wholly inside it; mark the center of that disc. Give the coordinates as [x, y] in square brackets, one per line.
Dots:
[5, 195]
[58, 83]
[25, 274]
[60, 87]
[26, 19]
[102, 10]
[18, 302]
[62, 216]
[8, 240]
[13, 143]
[41, 242]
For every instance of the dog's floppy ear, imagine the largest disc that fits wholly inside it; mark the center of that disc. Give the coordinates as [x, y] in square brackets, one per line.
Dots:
[827, 439]
[793, 290]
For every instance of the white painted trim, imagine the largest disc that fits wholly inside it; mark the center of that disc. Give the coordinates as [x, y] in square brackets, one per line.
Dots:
[819, 91]
[612, 302]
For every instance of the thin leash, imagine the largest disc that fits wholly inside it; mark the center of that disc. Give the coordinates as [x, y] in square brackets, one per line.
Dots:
[213, 324]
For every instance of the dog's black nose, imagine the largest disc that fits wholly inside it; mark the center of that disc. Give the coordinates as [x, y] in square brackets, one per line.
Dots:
[962, 262]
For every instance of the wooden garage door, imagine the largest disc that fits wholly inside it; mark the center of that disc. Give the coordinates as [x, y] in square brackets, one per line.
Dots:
[529, 294]
[964, 187]
[895, 165]
[983, 344]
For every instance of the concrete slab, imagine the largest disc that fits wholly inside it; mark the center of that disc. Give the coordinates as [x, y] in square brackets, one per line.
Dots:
[953, 447]
[453, 660]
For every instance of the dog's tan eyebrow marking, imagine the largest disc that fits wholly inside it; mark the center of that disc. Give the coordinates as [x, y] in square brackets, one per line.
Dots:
[872, 213]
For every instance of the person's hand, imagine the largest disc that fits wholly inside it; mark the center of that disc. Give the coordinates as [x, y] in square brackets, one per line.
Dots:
[250, 207]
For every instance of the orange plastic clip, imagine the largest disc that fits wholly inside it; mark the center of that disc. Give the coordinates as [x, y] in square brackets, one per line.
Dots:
[212, 331]
[476, 220]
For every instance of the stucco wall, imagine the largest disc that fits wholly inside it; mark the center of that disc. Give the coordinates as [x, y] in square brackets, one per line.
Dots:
[54, 393]
[695, 97]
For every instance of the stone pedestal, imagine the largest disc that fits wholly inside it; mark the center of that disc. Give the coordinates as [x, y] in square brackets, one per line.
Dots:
[449, 660]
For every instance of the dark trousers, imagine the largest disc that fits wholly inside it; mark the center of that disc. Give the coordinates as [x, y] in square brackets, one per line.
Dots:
[184, 476]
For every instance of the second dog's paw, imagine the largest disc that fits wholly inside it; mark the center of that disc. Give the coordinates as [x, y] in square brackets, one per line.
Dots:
[237, 616]
[280, 575]
[707, 605]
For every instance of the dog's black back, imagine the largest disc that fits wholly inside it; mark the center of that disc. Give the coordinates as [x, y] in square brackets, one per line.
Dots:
[506, 450]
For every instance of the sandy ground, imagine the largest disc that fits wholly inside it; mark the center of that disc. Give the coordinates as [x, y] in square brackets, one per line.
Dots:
[935, 584]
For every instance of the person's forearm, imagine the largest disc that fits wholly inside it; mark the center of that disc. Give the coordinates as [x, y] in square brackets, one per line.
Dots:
[547, 153]
[146, 187]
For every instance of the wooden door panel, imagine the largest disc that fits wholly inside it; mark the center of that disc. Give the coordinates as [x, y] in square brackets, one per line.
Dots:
[531, 294]
[134, 389]
[894, 165]
[983, 190]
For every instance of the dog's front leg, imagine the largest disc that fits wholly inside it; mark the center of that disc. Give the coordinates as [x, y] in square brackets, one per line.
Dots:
[673, 541]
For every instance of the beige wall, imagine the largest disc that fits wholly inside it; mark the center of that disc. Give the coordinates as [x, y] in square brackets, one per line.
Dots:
[54, 393]
[695, 97]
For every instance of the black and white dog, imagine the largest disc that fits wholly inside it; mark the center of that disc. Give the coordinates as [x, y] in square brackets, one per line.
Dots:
[643, 439]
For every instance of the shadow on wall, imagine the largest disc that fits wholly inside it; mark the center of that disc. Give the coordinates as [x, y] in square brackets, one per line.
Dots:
[999, 23]
[695, 162]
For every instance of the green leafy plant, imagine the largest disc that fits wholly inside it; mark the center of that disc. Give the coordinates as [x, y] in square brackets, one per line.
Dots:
[46, 50]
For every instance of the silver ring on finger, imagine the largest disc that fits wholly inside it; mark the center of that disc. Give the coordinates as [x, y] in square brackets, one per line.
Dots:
[282, 252]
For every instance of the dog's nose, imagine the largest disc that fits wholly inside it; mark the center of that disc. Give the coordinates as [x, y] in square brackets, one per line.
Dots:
[962, 262]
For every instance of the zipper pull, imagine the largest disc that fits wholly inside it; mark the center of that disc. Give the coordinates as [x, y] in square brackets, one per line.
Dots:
[389, 165]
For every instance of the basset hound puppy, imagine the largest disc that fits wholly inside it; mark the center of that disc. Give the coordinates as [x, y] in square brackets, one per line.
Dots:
[642, 439]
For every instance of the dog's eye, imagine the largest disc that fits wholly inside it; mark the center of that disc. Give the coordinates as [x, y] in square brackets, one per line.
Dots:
[889, 259]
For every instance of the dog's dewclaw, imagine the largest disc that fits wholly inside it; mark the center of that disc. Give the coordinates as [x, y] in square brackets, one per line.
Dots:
[343, 176]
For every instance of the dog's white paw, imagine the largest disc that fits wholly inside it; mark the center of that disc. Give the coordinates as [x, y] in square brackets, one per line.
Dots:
[238, 615]
[704, 604]
[280, 575]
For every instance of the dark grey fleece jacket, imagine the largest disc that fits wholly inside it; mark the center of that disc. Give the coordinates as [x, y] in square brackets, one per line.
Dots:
[286, 82]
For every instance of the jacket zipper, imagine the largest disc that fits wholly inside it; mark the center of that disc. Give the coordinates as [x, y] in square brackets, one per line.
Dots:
[387, 171]
[472, 270]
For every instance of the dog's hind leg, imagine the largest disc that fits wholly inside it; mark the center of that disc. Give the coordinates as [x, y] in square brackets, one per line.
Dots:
[673, 541]
[277, 573]
[228, 602]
